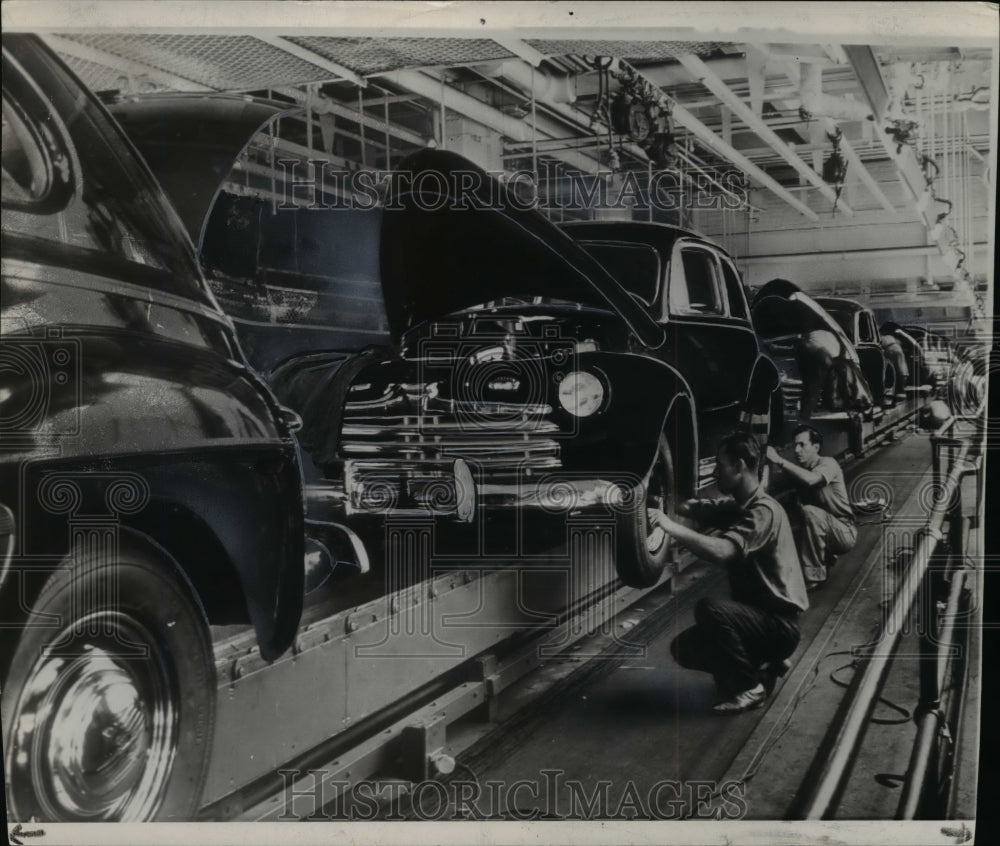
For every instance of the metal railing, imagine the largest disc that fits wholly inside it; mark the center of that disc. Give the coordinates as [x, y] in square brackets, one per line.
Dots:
[826, 780]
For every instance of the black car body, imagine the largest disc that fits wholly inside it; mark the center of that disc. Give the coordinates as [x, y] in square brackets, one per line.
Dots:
[142, 460]
[817, 378]
[939, 353]
[861, 328]
[522, 374]
[918, 372]
[690, 286]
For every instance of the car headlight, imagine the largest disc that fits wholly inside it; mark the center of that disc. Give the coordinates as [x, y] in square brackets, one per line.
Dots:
[581, 393]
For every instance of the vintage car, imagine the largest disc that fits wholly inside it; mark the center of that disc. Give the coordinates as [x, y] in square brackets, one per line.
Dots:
[919, 374]
[938, 351]
[858, 323]
[149, 480]
[516, 371]
[529, 369]
[820, 369]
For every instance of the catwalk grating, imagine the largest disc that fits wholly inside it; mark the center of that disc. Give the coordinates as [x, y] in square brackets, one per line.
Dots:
[637, 50]
[378, 55]
[222, 62]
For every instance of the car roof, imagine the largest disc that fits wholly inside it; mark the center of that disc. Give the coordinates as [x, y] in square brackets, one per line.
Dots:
[841, 303]
[660, 236]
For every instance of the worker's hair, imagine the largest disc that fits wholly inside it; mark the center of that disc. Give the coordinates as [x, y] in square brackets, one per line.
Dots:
[742, 446]
[814, 436]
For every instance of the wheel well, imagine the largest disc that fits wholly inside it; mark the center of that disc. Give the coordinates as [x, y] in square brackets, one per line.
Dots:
[679, 431]
[197, 551]
[776, 416]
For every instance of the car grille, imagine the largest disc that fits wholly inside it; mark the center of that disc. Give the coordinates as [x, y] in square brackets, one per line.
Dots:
[791, 395]
[400, 450]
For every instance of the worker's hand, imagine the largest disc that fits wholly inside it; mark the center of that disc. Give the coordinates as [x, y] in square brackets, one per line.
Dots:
[660, 520]
[773, 456]
[686, 508]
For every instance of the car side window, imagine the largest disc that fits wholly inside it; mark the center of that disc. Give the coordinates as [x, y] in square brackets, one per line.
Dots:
[69, 180]
[734, 290]
[34, 171]
[695, 290]
[866, 332]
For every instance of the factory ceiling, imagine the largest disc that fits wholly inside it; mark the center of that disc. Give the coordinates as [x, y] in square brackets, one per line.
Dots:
[799, 122]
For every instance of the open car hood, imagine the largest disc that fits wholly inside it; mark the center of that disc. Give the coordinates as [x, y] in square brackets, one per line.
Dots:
[190, 142]
[780, 309]
[453, 237]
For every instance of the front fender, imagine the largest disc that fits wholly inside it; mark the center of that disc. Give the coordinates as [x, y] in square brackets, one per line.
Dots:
[764, 381]
[624, 435]
[251, 503]
[247, 497]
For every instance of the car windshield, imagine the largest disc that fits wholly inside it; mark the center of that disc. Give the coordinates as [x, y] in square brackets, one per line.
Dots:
[844, 318]
[636, 267]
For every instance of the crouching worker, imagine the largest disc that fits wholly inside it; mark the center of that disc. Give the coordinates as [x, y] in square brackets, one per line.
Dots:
[828, 527]
[742, 641]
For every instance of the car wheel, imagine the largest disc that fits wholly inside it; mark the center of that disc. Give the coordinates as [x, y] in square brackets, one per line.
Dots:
[641, 549]
[110, 699]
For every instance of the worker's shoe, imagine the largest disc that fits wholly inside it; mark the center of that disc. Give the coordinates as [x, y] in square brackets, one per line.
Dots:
[745, 701]
[771, 672]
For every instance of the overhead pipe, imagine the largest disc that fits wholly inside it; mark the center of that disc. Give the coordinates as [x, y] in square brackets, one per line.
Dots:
[464, 104]
[550, 88]
[520, 48]
[827, 108]
[321, 104]
[929, 725]
[866, 67]
[821, 791]
[816, 102]
[557, 92]
[703, 74]
[870, 253]
[726, 150]
[683, 117]
[672, 75]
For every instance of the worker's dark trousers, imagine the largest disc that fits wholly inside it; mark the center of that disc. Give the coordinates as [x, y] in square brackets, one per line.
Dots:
[731, 640]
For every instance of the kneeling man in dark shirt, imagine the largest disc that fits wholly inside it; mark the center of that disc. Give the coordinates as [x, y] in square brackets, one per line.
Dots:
[743, 641]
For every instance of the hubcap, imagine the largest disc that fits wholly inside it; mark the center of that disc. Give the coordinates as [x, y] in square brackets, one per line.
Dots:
[95, 730]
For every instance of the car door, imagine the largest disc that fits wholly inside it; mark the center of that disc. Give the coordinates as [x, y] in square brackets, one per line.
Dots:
[870, 353]
[709, 330]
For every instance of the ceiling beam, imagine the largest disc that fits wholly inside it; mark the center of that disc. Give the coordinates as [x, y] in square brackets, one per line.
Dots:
[323, 104]
[683, 117]
[843, 255]
[854, 161]
[521, 49]
[464, 104]
[726, 151]
[557, 93]
[812, 76]
[700, 71]
[306, 55]
[869, 75]
[836, 54]
[68, 47]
